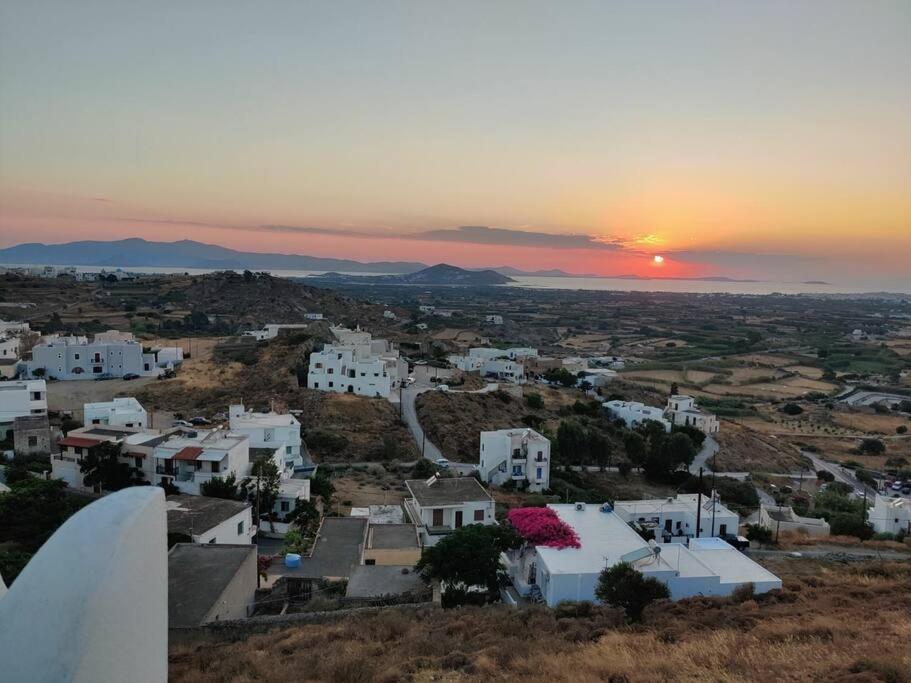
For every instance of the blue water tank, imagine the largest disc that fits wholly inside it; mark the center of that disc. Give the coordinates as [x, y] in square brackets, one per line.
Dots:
[292, 560]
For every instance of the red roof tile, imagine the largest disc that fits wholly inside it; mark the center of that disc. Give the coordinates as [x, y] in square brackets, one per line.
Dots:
[77, 442]
[188, 453]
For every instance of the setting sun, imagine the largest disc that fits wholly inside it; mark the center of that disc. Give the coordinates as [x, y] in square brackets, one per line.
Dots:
[658, 259]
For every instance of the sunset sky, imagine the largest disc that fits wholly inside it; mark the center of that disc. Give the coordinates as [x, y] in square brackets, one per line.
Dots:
[763, 139]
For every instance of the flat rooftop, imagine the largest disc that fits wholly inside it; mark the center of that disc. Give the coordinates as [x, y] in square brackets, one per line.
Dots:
[198, 575]
[731, 565]
[604, 537]
[372, 581]
[254, 420]
[194, 514]
[337, 550]
[447, 491]
[392, 536]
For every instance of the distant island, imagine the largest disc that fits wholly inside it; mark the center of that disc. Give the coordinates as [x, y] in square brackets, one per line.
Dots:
[440, 274]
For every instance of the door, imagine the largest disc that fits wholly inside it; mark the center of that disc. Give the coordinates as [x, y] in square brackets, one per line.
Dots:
[667, 525]
[438, 517]
[458, 519]
[723, 530]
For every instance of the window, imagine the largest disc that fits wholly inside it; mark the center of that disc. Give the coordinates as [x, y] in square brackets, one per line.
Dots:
[36, 395]
[96, 369]
[479, 515]
[369, 561]
[78, 450]
[215, 466]
[76, 356]
[331, 371]
[240, 528]
[288, 450]
[137, 462]
[316, 385]
[331, 385]
[516, 470]
[285, 506]
[268, 434]
[96, 421]
[32, 441]
[438, 517]
[540, 473]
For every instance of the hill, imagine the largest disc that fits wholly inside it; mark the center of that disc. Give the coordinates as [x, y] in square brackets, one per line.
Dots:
[830, 622]
[140, 253]
[444, 274]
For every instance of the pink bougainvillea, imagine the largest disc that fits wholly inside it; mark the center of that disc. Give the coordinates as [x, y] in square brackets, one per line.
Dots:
[542, 526]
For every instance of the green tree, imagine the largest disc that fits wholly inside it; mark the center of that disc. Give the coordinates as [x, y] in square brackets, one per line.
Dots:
[469, 556]
[560, 376]
[599, 449]
[680, 450]
[622, 585]
[263, 491]
[217, 487]
[872, 447]
[534, 401]
[636, 448]
[103, 470]
[572, 442]
[321, 485]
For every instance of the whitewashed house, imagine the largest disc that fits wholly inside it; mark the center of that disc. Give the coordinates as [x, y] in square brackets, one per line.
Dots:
[705, 566]
[210, 520]
[358, 365]
[493, 319]
[520, 455]
[439, 506]
[188, 461]
[70, 358]
[682, 411]
[890, 515]
[269, 430]
[119, 412]
[634, 413]
[597, 377]
[272, 330]
[674, 519]
[22, 398]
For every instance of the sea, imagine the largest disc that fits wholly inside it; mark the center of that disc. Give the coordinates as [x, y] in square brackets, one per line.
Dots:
[589, 283]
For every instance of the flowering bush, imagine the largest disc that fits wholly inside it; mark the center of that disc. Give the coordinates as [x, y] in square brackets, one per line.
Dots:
[542, 526]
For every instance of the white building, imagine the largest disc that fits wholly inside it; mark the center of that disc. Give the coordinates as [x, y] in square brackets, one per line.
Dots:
[188, 461]
[119, 412]
[493, 319]
[389, 315]
[210, 520]
[890, 515]
[634, 413]
[427, 309]
[597, 377]
[520, 455]
[269, 430]
[707, 566]
[440, 506]
[783, 518]
[74, 357]
[489, 363]
[674, 519]
[313, 316]
[21, 398]
[358, 365]
[682, 411]
[272, 330]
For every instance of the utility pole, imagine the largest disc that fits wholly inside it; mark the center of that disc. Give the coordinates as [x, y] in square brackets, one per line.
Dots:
[423, 442]
[778, 523]
[400, 402]
[699, 505]
[713, 494]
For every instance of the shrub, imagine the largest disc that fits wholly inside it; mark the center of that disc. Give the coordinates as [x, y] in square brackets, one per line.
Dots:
[624, 586]
[849, 524]
[534, 401]
[791, 409]
[901, 429]
[759, 533]
[743, 592]
[825, 475]
[872, 447]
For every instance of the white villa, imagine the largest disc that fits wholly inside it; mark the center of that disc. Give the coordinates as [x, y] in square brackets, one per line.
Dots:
[269, 430]
[21, 398]
[358, 364]
[76, 357]
[272, 330]
[520, 455]
[705, 566]
[783, 518]
[119, 412]
[210, 520]
[634, 413]
[674, 519]
[493, 319]
[499, 363]
[890, 515]
[440, 506]
[682, 411]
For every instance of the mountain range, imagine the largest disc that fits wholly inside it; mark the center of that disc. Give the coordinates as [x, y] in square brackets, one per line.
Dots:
[440, 274]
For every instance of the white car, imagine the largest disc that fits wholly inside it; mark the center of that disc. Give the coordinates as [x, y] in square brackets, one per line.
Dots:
[410, 379]
[442, 462]
[442, 387]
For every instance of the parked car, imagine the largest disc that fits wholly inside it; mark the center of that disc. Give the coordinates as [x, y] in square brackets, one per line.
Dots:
[442, 387]
[906, 490]
[102, 378]
[897, 486]
[130, 375]
[182, 423]
[739, 542]
[199, 420]
[443, 463]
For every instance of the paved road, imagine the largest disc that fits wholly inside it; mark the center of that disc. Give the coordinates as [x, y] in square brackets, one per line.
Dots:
[709, 448]
[840, 473]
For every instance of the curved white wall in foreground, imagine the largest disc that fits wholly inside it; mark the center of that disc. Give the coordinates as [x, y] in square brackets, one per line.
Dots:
[92, 605]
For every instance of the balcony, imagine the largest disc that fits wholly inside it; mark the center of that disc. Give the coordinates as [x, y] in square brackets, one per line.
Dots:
[519, 455]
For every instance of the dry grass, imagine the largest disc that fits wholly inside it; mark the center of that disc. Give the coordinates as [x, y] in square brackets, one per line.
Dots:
[830, 623]
[744, 450]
